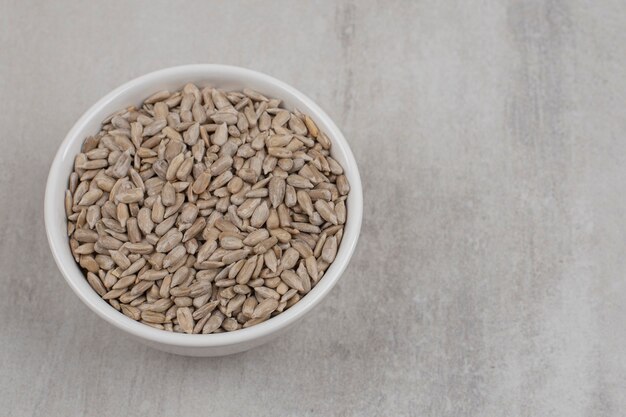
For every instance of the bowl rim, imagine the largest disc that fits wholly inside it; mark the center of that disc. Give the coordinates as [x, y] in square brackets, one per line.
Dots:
[73, 274]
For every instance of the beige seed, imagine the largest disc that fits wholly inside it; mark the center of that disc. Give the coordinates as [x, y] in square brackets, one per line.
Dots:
[305, 227]
[340, 212]
[213, 323]
[248, 307]
[125, 282]
[109, 242]
[180, 199]
[121, 166]
[279, 152]
[311, 126]
[282, 235]
[153, 317]
[289, 259]
[265, 292]
[221, 180]
[135, 267]
[166, 284]
[292, 280]
[246, 271]
[144, 220]
[80, 191]
[247, 208]
[96, 284]
[265, 245]
[234, 256]
[231, 242]
[200, 288]
[330, 249]
[141, 287]
[190, 137]
[165, 226]
[270, 260]
[342, 185]
[290, 196]
[265, 308]
[158, 211]
[298, 181]
[132, 195]
[90, 197]
[254, 95]
[233, 270]
[180, 291]
[189, 213]
[174, 256]
[278, 141]
[168, 194]
[185, 169]
[256, 237]
[195, 229]
[235, 304]
[105, 262]
[220, 136]
[130, 311]
[68, 203]
[230, 324]
[174, 166]
[297, 125]
[257, 193]
[152, 275]
[158, 96]
[114, 294]
[185, 319]
[81, 219]
[159, 306]
[311, 267]
[325, 211]
[276, 191]
[254, 322]
[323, 140]
[205, 310]
[201, 183]
[283, 216]
[154, 127]
[221, 165]
[140, 248]
[305, 202]
[260, 215]
[304, 277]
[85, 235]
[122, 214]
[235, 185]
[288, 295]
[320, 194]
[206, 250]
[169, 240]
[180, 276]
[272, 221]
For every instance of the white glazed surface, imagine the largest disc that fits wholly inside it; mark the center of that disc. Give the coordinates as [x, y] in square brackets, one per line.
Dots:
[132, 93]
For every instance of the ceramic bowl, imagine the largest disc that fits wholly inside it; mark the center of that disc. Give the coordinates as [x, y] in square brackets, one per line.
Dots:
[133, 93]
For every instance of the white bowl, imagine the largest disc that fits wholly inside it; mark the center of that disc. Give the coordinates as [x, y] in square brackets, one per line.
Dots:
[133, 93]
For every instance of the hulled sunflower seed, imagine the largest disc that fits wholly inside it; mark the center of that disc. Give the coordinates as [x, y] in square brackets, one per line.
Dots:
[265, 308]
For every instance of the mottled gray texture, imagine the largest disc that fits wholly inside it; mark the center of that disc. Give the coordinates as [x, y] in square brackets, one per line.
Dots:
[489, 278]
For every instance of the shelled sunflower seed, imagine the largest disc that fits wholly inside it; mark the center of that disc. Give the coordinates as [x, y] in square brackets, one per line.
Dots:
[205, 210]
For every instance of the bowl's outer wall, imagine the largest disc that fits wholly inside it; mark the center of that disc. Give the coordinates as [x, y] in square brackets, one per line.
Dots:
[133, 93]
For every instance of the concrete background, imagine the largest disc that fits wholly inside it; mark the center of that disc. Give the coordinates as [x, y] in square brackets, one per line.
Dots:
[489, 278]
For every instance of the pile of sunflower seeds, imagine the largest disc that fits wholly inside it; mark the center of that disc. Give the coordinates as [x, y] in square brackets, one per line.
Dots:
[205, 210]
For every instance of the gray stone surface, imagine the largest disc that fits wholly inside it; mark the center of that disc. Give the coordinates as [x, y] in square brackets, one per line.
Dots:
[489, 278]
